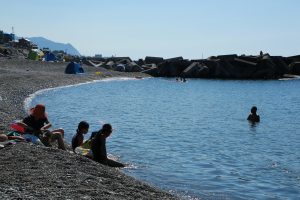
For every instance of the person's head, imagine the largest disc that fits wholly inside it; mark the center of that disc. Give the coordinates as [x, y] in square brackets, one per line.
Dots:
[253, 110]
[106, 130]
[3, 137]
[83, 127]
[39, 111]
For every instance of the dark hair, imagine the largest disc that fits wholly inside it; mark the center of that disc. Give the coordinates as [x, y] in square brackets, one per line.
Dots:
[107, 127]
[83, 124]
[253, 109]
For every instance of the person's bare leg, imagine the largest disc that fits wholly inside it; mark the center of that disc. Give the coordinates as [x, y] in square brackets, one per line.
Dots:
[61, 131]
[59, 137]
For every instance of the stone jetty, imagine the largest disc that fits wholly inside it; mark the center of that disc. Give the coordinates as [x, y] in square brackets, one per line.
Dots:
[263, 66]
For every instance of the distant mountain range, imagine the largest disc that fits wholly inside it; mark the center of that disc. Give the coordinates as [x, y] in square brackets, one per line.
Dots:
[45, 43]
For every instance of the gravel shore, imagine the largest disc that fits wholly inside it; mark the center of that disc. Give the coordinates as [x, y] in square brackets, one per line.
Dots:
[37, 172]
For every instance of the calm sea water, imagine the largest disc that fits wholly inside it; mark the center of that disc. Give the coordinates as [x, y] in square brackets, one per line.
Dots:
[193, 138]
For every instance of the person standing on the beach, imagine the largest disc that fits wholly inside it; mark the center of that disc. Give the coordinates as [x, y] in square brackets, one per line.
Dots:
[253, 117]
[99, 147]
[37, 124]
[77, 140]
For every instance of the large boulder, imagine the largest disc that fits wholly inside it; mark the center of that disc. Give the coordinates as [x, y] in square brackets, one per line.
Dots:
[140, 62]
[242, 69]
[124, 61]
[216, 69]
[133, 67]
[266, 69]
[120, 68]
[149, 66]
[109, 65]
[152, 72]
[292, 59]
[153, 60]
[172, 68]
[281, 66]
[175, 59]
[294, 68]
[253, 59]
[196, 70]
[227, 57]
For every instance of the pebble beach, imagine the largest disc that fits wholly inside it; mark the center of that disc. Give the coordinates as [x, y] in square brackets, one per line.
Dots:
[37, 172]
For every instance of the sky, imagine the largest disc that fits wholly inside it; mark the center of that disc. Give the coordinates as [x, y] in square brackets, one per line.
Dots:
[166, 28]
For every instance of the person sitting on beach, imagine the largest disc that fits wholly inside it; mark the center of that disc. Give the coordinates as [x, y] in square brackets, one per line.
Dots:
[37, 124]
[253, 117]
[77, 140]
[99, 147]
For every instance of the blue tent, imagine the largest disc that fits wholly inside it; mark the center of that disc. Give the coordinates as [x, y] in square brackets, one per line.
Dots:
[50, 57]
[74, 68]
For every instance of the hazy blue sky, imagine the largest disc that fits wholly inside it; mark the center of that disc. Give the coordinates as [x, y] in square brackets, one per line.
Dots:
[167, 28]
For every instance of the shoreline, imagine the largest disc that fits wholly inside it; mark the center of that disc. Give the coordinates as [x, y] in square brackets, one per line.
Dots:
[58, 174]
[28, 99]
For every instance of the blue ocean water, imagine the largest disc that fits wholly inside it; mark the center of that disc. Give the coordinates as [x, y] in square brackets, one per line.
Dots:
[193, 138]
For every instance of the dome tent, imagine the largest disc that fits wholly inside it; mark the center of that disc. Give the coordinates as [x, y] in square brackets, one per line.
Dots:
[74, 68]
[35, 54]
[50, 57]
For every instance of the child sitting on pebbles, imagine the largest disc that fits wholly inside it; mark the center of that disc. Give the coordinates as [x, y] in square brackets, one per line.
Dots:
[77, 140]
[99, 147]
[37, 124]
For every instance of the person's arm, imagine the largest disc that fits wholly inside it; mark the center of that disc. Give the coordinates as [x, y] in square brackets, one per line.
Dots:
[249, 117]
[47, 125]
[80, 140]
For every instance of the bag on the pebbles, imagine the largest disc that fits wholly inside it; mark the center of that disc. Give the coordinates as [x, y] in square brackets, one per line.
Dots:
[32, 138]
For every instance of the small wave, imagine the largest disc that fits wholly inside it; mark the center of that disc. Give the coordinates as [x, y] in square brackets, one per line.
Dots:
[29, 99]
[289, 78]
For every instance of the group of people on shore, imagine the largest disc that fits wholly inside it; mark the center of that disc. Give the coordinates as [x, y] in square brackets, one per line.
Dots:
[96, 144]
[35, 128]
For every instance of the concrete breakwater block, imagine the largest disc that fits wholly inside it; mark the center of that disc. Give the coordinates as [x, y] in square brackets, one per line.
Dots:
[149, 66]
[227, 57]
[173, 68]
[196, 70]
[124, 61]
[245, 62]
[109, 65]
[292, 59]
[280, 63]
[253, 59]
[243, 69]
[120, 68]
[152, 72]
[294, 68]
[175, 59]
[133, 67]
[153, 60]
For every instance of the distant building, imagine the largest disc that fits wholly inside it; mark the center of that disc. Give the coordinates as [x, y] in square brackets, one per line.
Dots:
[98, 55]
[1, 37]
[46, 50]
[6, 37]
[24, 43]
